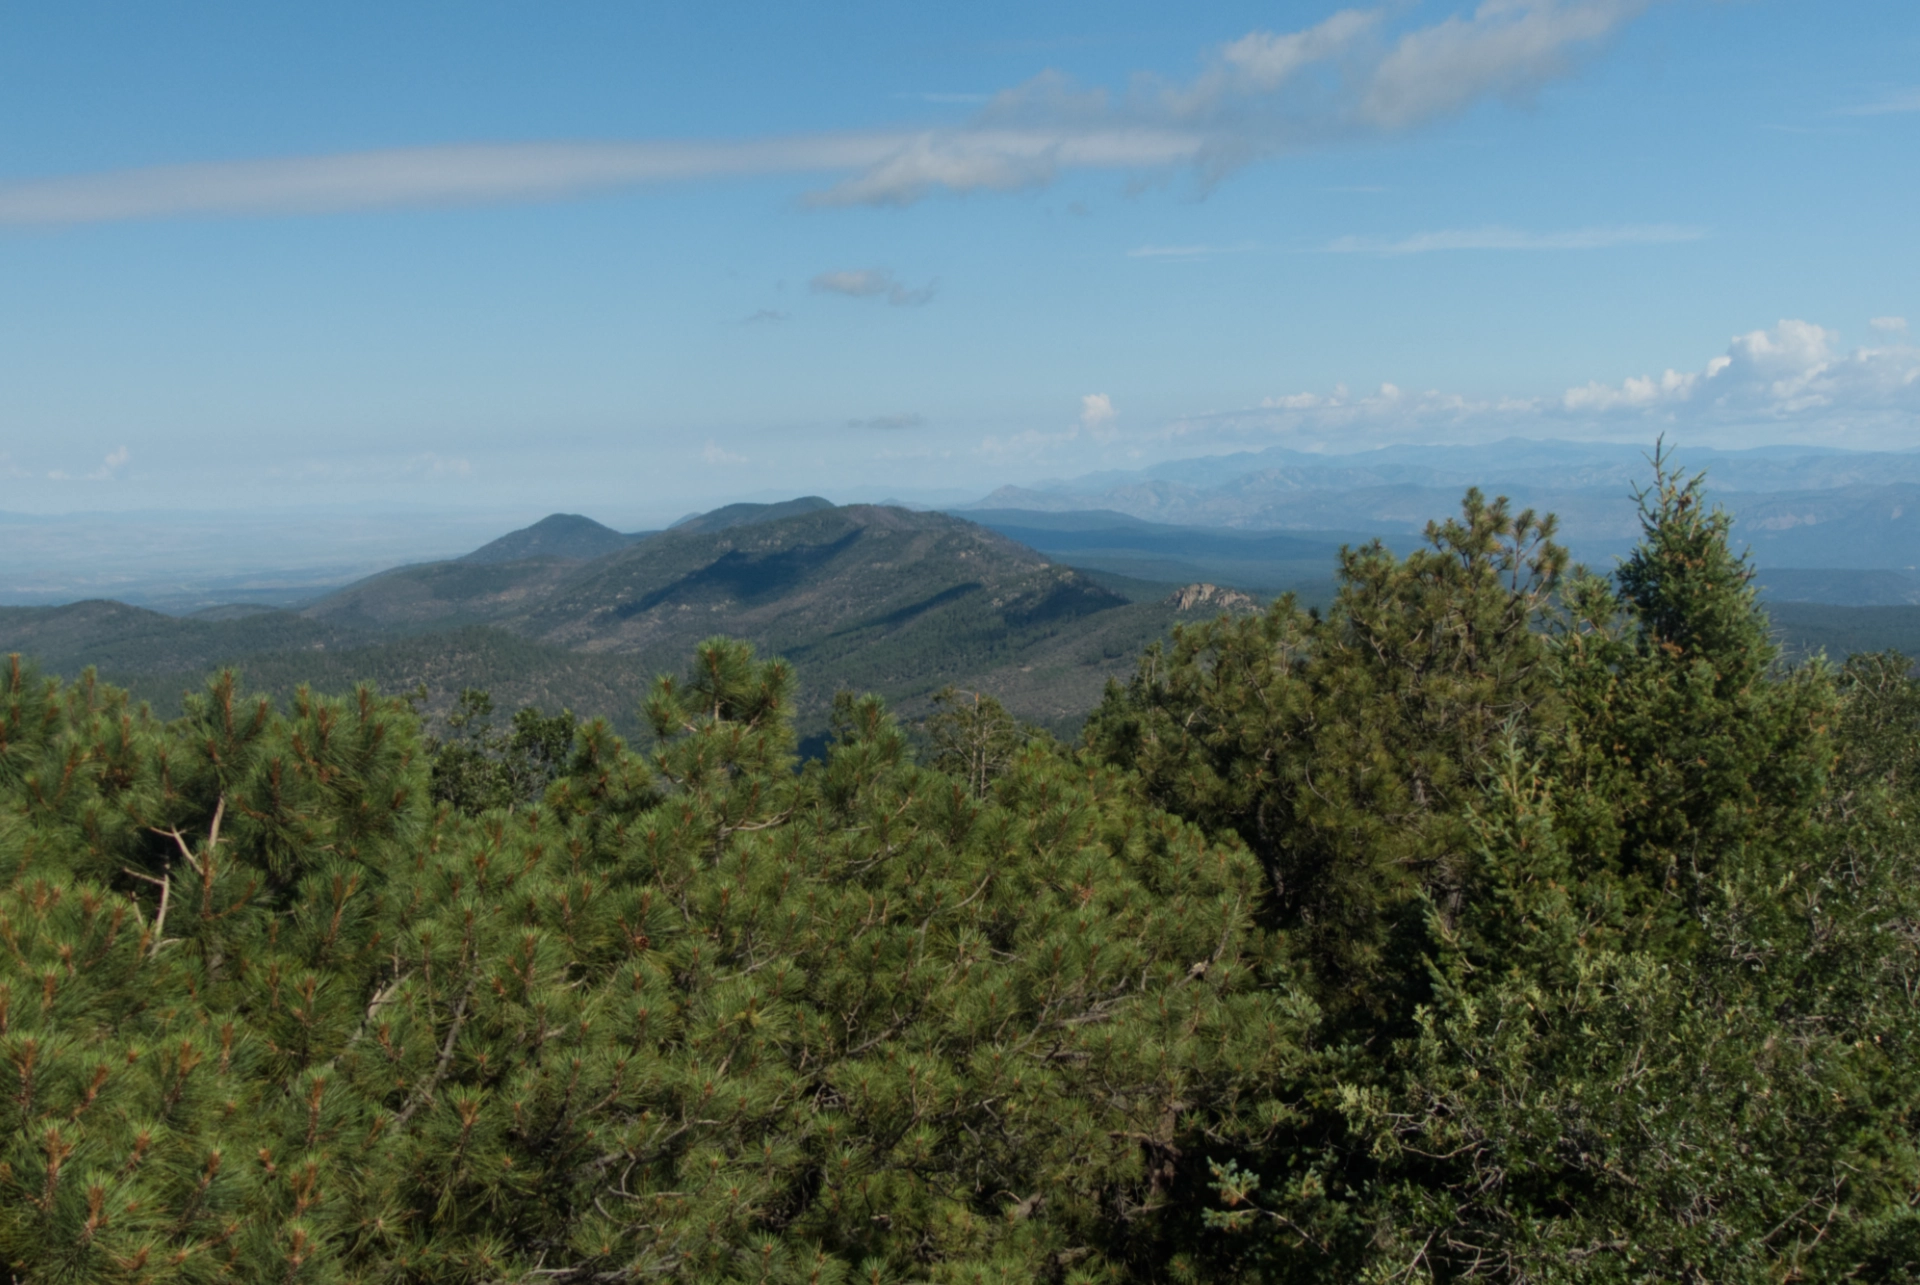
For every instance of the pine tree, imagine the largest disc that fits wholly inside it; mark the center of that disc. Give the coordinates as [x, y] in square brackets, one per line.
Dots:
[972, 736]
[1343, 750]
[705, 1017]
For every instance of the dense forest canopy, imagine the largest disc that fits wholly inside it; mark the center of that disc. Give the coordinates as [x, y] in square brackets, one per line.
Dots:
[1501, 922]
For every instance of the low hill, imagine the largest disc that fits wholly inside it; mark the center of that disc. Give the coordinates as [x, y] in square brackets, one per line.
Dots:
[567, 536]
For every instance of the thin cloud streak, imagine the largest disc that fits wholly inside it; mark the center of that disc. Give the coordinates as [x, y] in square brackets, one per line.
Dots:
[1900, 101]
[462, 174]
[478, 174]
[1262, 95]
[1505, 238]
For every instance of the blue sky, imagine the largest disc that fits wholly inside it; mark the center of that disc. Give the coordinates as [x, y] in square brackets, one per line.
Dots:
[631, 259]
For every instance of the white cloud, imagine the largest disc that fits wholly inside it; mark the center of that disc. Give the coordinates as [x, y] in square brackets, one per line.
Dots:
[1097, 416]
[110, 467]
[1505, 238]
[1890, 325]
[763, 317]
[870, 283]
[1794, 381]
[716, 454]
[1794, 370]
[1262, 94]
[888, 422]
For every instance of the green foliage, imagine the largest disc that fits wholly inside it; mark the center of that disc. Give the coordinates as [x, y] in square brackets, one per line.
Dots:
[1501, 923]
[477, 767]
[1343, 750]
[705, 1017]
[1879, 725]
[971, 736]
[1654, 1020]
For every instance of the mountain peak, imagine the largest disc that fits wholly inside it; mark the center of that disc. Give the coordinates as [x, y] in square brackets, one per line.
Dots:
[734, 515]
[566, 536]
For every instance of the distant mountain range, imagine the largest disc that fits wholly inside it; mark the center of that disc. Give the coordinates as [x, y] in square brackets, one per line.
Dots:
[1800, 509]
[568, 611]
[1796, 508]
[1037, 608]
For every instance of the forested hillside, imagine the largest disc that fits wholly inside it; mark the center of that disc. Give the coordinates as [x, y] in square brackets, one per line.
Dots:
[1495, 923]
[569, 613]
[1038, 610]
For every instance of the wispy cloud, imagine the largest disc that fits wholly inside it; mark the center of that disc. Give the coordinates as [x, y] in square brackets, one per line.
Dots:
[888, 422]
[109, 468]
[1185, 251]
[764, 317]
[1900, 100]
[1507, 48]
[1505, 238]
[1097, 421]
[716, 454]
[937, 97]
[1264, 94]
[872, 283]
[465, 174]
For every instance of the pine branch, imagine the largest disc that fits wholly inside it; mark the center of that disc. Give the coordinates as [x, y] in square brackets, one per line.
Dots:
[423, 1094]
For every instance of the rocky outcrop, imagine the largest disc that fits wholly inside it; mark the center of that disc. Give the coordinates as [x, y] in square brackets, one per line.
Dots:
[1208, 595]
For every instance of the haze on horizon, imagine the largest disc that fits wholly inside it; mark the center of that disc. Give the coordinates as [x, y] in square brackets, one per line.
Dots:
[637, 262]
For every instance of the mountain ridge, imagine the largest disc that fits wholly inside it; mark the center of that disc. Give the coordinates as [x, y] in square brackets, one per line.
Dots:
[868, 597]
[863, 596]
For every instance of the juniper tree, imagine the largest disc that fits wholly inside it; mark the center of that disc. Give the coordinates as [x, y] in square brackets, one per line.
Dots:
[1664, 1011]
[1343, 750]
